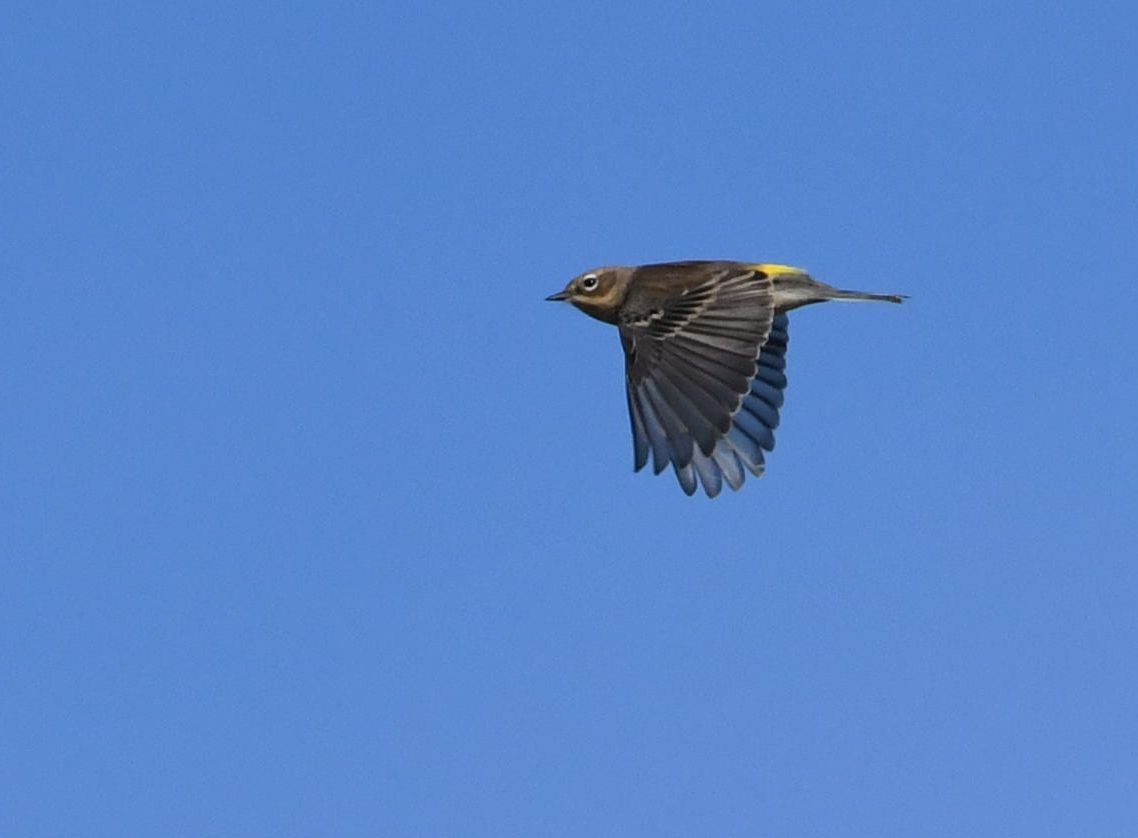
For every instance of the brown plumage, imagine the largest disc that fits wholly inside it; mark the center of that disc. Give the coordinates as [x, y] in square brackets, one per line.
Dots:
[705, 358]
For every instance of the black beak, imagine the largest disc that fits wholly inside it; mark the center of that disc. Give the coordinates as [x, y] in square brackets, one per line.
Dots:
[559, 297]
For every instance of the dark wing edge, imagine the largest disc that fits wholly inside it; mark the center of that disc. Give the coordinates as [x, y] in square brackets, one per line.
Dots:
[753, 425]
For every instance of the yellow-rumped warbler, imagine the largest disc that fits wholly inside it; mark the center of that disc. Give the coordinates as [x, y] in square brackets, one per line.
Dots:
[705, 354]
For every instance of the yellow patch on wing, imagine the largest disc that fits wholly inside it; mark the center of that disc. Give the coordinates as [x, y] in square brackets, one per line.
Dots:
[771, 269]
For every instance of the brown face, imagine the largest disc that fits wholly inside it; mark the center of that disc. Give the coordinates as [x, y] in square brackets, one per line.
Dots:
[598, 293]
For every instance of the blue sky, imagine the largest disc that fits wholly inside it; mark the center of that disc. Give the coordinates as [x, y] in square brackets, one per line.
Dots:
[318, 520]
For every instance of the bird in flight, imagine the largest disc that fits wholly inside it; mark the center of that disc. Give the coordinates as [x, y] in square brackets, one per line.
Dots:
[705, 358]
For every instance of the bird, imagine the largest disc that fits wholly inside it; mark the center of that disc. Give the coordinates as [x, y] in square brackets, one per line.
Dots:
[705, 358]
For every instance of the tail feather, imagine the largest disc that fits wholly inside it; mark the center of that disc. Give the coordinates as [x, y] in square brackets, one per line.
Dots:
[792, 290]
[864, 297]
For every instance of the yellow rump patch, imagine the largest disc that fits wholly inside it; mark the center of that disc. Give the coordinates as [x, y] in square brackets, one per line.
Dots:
[774, 270]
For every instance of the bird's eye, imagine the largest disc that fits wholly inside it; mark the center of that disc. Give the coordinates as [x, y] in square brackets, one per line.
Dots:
[589, 282]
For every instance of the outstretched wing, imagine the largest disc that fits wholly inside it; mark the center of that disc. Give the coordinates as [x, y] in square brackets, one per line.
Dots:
[705, 375]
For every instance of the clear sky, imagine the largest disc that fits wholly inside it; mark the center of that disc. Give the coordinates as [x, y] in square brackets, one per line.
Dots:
[318, 520]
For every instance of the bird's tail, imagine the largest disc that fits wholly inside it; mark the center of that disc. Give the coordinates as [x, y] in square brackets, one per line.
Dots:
[797, 288]
[838, 294]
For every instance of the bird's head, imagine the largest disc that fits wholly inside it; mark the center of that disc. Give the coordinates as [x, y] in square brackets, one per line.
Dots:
[599, 292]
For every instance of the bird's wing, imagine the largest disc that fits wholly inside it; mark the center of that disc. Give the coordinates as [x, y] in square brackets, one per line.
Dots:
[705, 375]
